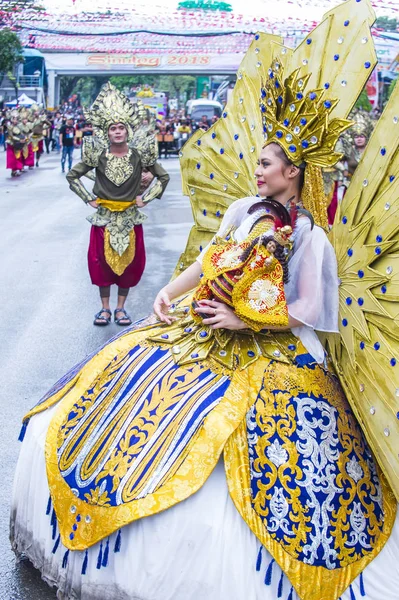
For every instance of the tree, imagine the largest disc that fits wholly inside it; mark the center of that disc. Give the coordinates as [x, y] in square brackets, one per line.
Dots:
[126, 82]
[363, 102]
[205, 5]
[67, 86]
[391, 88]
[177, 85]
[10, 53]
[386, 24]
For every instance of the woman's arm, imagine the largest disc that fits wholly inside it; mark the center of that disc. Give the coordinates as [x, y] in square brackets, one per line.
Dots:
[222, 316]
[185, 282]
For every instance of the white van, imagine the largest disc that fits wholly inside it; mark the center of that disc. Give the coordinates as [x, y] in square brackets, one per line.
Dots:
[196, 109]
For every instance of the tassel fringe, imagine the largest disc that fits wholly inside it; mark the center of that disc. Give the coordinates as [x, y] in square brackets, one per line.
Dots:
[118, 542]
[85, 562]
[291, 594]
[65, 560]
[362, 590]
[23, 431]
[280, 586]
[106, 553]
[53, 523]
[269, 573]
[353, 597]
[57, 543]
[100, 556]
[48, 509]
[259, 559]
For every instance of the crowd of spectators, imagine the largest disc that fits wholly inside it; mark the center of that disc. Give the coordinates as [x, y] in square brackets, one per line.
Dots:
[173, 132]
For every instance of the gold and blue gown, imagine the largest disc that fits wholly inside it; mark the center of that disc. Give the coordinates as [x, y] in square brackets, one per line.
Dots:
[180, 462]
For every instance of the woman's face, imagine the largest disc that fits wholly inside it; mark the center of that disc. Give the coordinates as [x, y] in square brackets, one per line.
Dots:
[273, 175]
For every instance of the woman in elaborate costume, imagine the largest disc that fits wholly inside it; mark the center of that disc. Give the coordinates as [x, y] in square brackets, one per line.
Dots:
[298, 508]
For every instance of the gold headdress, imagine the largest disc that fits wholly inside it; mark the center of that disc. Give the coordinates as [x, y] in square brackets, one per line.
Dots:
[297, 119]
[218, 165]
[112, 106]
[363, 124]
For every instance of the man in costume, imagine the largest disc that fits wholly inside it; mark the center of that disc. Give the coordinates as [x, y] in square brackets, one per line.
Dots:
[40, 125]
[351, 145]
[15, 144]
[354, 142]
[26, 125]
[119, 151]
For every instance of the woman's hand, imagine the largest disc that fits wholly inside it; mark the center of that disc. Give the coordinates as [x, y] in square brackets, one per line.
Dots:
[221, 316]
[139, 202]
[93, 204]
[161, 306]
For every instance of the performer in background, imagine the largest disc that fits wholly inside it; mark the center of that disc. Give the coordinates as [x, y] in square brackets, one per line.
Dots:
[119, 151]
[26, 125]
[15, 144]
[40, 127]
[351, 145]
[213, 454]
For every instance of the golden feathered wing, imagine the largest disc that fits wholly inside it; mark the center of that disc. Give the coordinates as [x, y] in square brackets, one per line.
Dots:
[218, 165]
[365, 236]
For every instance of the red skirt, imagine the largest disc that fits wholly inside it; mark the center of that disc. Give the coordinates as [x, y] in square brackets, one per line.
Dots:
[12, 162]
[29, 161]
[40, 149]
[332, 209]
[101, 273]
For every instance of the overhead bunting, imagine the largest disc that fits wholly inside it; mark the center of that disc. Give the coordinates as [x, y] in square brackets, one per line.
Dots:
[173, 27]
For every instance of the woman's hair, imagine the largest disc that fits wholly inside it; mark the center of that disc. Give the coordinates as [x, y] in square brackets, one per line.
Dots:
[279, 152]
[280, 253]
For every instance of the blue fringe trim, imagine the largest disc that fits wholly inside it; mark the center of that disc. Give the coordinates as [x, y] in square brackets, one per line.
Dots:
[118, 542]
[280, 586]
[85, 561]
[291, 594]
[48, 509]
[353, 597]
[23, 431]
[106, 553]
[269, 573]
[362, 590]
[65, 560]
[259, 559]
[100, 556]
[53, 523]
[57, 543]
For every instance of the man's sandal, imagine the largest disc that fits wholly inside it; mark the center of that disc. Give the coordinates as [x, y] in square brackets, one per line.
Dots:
[125, 317]
[100, 320]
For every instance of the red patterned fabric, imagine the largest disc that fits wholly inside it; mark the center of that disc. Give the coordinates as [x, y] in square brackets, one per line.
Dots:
[29, 161]
[12, 162]
[332, 209]
[101, 273]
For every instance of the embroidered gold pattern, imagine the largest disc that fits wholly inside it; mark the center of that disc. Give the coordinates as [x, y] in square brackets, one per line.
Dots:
[119, 263]
[119, 168]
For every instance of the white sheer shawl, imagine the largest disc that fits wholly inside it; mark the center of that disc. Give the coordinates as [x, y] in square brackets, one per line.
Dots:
[312, 290]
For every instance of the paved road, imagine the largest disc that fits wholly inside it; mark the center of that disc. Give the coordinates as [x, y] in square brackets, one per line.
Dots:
[47, 307]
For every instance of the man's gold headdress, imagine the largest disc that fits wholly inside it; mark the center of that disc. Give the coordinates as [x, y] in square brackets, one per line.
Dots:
[363, 124]
[112, 106]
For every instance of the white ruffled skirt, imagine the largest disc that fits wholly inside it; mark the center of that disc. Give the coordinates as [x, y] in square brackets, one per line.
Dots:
[200, 549]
